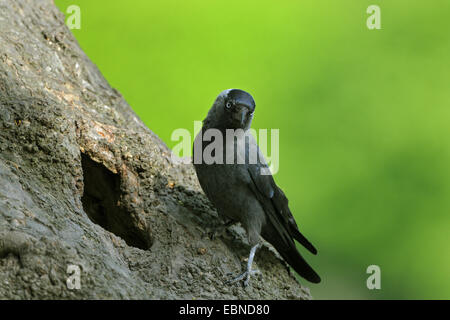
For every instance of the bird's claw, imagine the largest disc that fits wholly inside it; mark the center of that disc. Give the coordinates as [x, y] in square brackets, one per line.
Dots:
[245, 275]
[212, 234]
[209, 234]
[217, 231]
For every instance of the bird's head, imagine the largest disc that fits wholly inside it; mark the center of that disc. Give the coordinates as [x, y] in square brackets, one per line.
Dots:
[233, 109]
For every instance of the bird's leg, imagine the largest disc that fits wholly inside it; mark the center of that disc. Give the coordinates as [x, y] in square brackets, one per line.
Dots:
[246, 275]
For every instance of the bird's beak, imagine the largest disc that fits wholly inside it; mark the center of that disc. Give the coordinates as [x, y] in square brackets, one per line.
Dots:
[243, 116]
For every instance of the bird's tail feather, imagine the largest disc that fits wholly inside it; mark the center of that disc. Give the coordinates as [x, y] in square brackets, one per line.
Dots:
[285, 246]
[302, 240]
[296, 261]
[280, 203]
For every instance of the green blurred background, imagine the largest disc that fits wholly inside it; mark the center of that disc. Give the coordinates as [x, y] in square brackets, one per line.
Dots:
[364, 116]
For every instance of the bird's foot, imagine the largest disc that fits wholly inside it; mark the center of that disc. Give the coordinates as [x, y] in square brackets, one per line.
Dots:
[213, 233]
[217, 231]
[244, 276]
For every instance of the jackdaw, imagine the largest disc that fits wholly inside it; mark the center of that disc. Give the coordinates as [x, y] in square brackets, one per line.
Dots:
[241, 188]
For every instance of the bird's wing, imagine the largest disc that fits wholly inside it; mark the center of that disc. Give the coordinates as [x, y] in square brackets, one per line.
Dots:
[278, 205]
[280, 225]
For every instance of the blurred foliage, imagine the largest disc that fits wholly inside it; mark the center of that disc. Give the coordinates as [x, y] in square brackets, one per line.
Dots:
[363, 115]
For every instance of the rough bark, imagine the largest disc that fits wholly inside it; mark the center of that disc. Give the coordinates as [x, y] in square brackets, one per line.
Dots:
[83, 181]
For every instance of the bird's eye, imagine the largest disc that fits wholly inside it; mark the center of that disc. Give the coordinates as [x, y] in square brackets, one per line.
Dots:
[229, 104]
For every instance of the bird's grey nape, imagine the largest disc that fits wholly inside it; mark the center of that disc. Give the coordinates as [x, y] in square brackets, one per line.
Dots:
[224, 93]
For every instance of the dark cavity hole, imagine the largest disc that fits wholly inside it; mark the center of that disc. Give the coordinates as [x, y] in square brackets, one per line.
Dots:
[101, 202]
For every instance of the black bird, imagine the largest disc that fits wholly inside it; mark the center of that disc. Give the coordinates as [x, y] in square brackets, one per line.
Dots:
[242, 189]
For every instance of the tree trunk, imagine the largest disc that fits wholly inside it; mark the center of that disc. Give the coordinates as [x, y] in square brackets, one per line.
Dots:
[86, 189]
